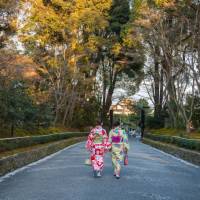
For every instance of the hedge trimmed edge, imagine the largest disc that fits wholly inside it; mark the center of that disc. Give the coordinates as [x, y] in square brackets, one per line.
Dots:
[191, 144]
[185, 154]
[21, 142]
[13, 162]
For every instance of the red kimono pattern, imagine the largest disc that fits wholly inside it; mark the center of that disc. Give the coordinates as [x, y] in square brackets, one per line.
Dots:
[97, 143]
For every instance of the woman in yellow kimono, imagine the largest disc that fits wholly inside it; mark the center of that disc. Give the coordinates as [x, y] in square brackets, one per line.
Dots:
[119, 146]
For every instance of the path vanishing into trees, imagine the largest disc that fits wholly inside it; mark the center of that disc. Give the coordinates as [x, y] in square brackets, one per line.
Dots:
[150, 175]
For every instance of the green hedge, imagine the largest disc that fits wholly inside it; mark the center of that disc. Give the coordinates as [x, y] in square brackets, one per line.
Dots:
[20, 142]
[178, 141]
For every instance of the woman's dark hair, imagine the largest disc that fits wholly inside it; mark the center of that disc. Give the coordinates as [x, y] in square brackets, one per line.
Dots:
[116, 123]
[98, 122]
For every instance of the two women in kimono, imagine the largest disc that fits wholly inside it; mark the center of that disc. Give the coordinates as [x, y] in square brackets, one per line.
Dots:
[99, 143]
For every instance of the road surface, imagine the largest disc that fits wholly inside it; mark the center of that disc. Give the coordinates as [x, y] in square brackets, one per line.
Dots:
[150, 175]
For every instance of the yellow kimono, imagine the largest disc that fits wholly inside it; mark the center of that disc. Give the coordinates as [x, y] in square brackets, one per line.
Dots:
[119, 142]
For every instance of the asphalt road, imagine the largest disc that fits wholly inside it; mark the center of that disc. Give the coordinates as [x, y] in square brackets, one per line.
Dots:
[150, 175]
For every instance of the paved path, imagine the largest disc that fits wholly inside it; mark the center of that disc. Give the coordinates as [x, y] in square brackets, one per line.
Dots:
[151, 175]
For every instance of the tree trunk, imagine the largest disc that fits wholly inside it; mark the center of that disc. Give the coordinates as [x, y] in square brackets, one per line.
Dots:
[161, 88]
[172, 115]
[56, 117]
[108, 102]
[188, 129]
[66, 113]
[104, 97]
[158, 84]
[171, 92]
[157, 90]
[12, 129]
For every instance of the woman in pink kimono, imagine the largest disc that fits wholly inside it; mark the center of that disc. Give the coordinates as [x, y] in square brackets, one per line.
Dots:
[97, 144]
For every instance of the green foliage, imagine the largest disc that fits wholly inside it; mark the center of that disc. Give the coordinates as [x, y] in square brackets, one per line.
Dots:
[86, 114]
[142, 103]
[66, 43]
[44, 115]
[11, 144]
[154, 123]
[119, 15]
[18, 109]
[16, 105]
[178, 141]
[69, 41]
[175, 132]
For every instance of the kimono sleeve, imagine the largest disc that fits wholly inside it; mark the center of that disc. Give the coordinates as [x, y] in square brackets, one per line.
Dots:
[89, 143]
[107, 144]
[110, 137]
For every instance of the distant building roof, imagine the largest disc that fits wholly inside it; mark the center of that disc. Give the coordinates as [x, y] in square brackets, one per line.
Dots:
[124, 107]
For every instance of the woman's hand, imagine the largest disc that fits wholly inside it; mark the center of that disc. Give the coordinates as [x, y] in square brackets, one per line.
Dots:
[125, 150]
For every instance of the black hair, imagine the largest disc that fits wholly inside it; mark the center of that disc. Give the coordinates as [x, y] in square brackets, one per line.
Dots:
[116, 123]
[98, 122]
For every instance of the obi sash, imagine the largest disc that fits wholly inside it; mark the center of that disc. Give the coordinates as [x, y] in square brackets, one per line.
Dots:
[98, 139]
[116, 139]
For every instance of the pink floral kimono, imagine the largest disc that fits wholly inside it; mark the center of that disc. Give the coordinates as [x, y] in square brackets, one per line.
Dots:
[97, 143]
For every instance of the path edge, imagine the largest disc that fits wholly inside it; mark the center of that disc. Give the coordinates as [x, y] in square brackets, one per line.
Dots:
[185, 154]
[14, 162]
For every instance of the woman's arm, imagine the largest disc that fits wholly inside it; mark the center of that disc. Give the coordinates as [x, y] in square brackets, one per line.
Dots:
[89, 142]
[107, 144]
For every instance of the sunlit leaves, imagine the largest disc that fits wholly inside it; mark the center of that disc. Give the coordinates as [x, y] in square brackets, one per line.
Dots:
[165, 3]
[116, 49]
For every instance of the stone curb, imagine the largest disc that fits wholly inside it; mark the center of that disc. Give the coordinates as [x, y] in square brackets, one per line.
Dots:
[11, 163]
[185, 154]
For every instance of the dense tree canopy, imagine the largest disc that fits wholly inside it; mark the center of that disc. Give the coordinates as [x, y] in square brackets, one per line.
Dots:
[170, 34]
[81, 51]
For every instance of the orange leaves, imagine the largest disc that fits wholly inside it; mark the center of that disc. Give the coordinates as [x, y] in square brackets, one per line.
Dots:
[148, 19]
[165, 3]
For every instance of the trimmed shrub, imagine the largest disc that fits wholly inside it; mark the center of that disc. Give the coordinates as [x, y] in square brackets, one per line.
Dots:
[21, 142]
[178, 141]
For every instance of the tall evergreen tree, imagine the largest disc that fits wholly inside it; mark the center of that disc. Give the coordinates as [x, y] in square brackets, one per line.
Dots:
[119, 59]
[119, 15]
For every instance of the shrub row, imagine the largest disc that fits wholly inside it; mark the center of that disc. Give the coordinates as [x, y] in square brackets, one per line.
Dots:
[13, 162]
[185, 154]
[21, 142]
[178, 141]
